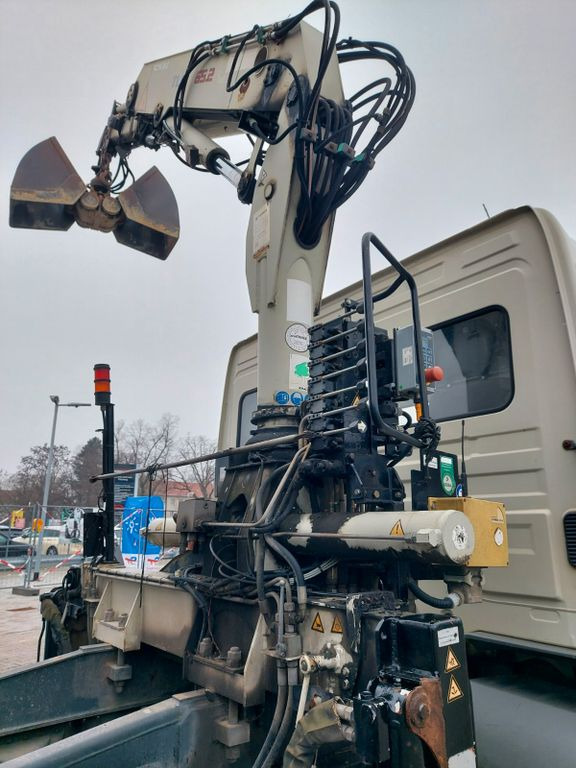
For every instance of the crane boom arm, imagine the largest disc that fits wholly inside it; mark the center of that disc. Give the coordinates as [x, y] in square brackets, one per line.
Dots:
[281, 86]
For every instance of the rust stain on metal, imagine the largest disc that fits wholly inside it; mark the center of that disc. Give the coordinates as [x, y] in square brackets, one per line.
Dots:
[425, 718]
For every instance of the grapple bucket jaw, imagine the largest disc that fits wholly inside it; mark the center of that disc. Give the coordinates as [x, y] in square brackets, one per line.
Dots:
[47, 193]
[45, 189]
[151, 223]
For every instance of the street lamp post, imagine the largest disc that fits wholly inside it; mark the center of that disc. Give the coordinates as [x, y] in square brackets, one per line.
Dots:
[57, 404]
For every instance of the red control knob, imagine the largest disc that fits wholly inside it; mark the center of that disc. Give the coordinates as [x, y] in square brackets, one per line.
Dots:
[433, 374]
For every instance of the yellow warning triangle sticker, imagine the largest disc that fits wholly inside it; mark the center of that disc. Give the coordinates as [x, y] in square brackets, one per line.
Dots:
[397, 529]
[317, 625]
[451, 661]
[337, 625]
[454, 690]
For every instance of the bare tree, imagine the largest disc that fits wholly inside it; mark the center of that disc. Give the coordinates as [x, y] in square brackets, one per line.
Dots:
[8, 494]
[28, 480]
[146, 444]
[139, 443]
[199, 475]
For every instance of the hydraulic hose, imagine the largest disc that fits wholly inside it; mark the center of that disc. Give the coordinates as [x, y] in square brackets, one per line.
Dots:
[265, 489]
[285, 554]
[284, 507]
[444, 603]
[260, 585]
[39, 646]
[284, 731]
[277, 718]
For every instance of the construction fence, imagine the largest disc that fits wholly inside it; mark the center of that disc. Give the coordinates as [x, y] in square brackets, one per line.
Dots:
[21, 571]
[32, 554]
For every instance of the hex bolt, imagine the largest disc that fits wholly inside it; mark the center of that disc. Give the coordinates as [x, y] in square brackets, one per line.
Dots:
[234, 657]
[205, 647]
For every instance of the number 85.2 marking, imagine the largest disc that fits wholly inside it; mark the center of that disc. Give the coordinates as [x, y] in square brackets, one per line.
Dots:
[204, 75]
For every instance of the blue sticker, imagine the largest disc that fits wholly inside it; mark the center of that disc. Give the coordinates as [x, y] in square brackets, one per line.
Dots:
[459, 490]
[282, 397]
[297, 398]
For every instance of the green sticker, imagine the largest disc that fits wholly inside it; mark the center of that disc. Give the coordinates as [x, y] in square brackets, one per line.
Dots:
[301, 370]
[447, 479]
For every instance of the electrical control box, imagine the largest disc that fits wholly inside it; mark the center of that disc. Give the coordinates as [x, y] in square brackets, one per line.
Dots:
[406, 365]
[440, 478]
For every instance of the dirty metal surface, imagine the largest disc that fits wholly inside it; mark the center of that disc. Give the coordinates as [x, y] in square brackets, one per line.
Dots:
[44, 189]
[78, 685]
[175, 733]
[152, 223]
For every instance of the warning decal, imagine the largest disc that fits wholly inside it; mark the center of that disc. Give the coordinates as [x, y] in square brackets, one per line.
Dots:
[317, 625]
[454, 690]
[451, 661]
[337, 625]
[397, 529]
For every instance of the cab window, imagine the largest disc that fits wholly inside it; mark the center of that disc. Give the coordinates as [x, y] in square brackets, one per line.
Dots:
[475, 353]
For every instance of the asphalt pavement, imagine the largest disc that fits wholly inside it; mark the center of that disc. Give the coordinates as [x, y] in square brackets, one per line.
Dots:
[20, 627]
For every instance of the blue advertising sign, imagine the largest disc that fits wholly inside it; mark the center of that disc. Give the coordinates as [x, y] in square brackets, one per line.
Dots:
[137, 509]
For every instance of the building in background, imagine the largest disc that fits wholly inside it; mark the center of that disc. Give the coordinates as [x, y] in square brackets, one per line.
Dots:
[176, 490]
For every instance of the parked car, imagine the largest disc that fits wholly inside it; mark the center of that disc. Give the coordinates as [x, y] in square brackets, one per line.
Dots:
[11, 532]
[53, 541]
[12, 546]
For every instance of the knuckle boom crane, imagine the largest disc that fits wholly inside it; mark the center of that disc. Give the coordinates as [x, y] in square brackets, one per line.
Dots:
[292, 604]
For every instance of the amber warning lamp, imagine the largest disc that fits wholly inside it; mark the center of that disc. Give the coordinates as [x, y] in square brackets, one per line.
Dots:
[102, 384]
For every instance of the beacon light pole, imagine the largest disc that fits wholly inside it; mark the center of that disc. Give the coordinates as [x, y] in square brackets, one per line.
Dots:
[103, 398]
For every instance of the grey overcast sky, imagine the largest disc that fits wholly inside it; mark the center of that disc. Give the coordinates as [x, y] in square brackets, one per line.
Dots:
[494, 123]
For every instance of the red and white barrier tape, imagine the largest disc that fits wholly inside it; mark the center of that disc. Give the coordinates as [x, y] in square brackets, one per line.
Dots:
[62, 562]
[16, 568]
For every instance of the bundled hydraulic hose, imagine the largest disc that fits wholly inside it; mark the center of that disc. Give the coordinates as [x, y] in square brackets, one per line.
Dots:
[278, 716]
[284, 732]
